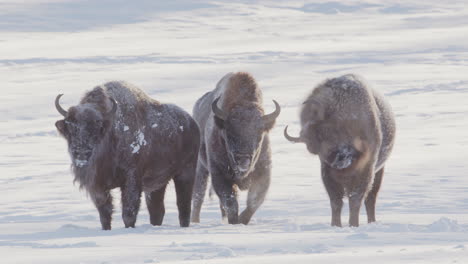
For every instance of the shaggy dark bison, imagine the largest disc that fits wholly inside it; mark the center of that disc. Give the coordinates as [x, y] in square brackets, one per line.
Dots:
[118, 137]
[235, 148]
[351, 128]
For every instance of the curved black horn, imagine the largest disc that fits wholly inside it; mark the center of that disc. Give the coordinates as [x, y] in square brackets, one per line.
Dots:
[114, 107]
[271, 117]
[218, 112]
[292, 139]
[59, 108]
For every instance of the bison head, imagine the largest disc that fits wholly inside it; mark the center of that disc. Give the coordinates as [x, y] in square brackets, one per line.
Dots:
[243, 130]
[312, 117]
[336, 141]
[83, 127]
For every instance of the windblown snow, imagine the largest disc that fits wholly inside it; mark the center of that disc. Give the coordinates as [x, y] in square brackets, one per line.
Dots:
[414, 53]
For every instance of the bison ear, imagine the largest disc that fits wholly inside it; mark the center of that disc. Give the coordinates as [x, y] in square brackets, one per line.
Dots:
[219, 122]
[60, 125]
[267, 126]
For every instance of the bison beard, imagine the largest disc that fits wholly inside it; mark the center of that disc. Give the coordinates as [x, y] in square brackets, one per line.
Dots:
[118, 137]
[235, 148]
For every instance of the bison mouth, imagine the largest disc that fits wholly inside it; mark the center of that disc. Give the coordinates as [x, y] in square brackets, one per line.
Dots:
[80, 163]
[81, 159]
[236, 173]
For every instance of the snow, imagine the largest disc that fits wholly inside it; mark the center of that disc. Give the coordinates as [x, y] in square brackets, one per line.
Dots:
[139, 142]
[80, 163]
[414, 53]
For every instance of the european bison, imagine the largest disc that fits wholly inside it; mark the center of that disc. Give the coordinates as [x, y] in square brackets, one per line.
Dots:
[119, 137]
[351, 128]
[235, 148]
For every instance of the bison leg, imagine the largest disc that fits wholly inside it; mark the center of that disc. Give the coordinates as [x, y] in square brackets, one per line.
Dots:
[372, 196]
[257, 192]
[199, 191]
[103, 203]
[155, 204]
[228, 197]
[131, 197]
[184, 189]
[357, 194]
[223, 212]
[335, 193]
[355, 202]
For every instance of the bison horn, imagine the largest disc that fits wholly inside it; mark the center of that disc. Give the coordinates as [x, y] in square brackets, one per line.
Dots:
[114, 107]
[218, 112]
[59, 108]
[292, 139]
[271, 117]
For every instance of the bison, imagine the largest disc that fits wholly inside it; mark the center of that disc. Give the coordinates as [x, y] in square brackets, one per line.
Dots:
[118, 137]
[234, 148]
[351, 128]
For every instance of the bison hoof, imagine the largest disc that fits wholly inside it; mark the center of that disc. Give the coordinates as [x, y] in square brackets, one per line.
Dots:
[184, 223]
[244, 219]
[244, 222]
[129, 220]
[156, 221]
[233, 221]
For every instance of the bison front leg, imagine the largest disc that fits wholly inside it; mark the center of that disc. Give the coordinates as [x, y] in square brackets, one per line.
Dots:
[256, 196]
[355, 202]
[199, 191]
[155, 204]
[335, 193]
[131, 197]
[103, 202]
[356, 196]
[227, 197]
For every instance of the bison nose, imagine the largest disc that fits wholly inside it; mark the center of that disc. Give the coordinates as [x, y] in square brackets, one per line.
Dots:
[243, 162]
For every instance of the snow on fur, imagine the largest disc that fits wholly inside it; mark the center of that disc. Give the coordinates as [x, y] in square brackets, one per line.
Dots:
[414, 53]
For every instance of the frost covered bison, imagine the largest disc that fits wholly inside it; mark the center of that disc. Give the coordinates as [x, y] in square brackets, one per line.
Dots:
[351, 128]
[118, 137]
[235, 148]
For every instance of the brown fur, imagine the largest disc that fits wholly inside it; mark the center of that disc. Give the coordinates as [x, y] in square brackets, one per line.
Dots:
[242, 88]
[139, 147]
[235, 148]
[351, 128]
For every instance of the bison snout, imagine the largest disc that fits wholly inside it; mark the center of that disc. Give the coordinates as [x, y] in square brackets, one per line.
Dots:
[343, 157]
[243, 162]
[81, 159]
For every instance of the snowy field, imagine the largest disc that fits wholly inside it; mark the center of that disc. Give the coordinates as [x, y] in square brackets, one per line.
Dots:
[415, 52]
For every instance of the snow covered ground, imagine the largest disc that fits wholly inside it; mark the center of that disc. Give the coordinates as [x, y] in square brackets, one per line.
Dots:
[415, 52]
